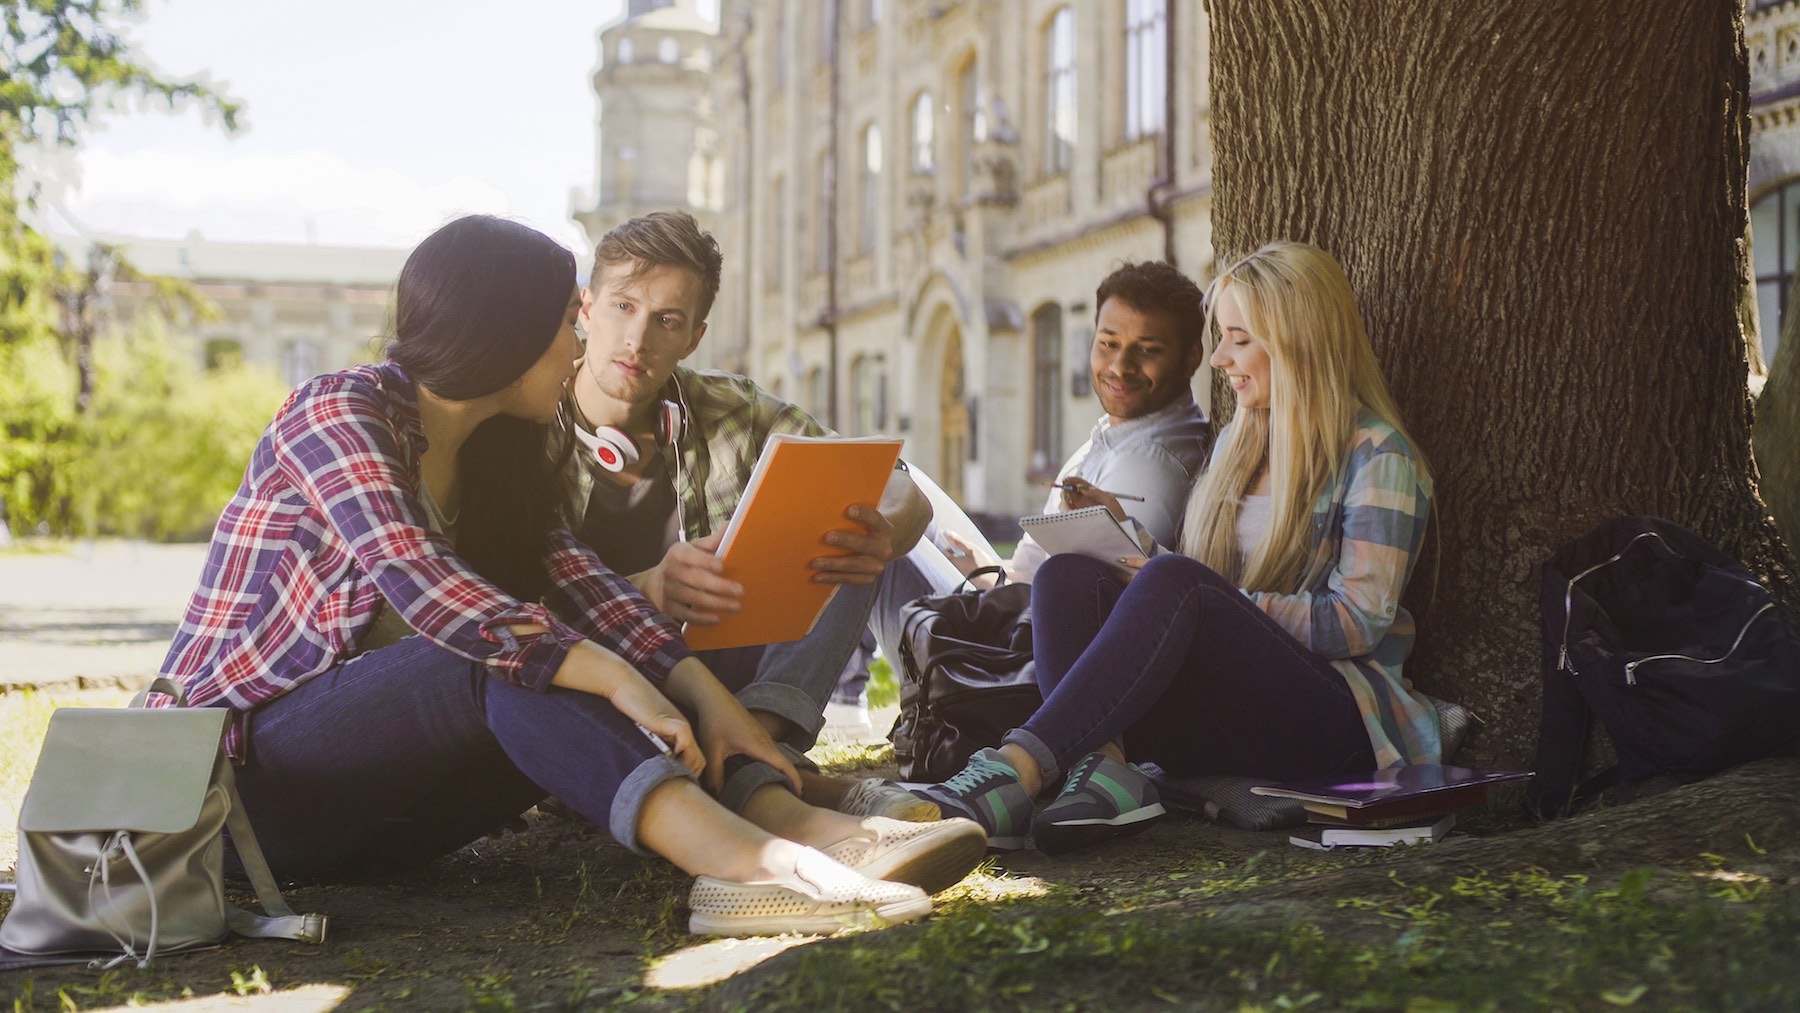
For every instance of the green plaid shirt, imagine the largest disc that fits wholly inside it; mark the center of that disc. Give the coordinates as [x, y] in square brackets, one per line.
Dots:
[728, 418]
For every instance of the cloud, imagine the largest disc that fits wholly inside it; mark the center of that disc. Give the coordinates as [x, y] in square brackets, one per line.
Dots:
[297, 196]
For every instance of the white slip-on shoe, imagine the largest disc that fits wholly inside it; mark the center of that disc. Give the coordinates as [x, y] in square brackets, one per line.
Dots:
[818, 898]
[930, 856]
[875, 796]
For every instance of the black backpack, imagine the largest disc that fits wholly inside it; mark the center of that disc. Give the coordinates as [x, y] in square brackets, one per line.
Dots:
[966, 677]
[1688, 661]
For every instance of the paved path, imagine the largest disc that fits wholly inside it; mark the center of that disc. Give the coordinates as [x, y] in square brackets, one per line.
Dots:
[99, 614]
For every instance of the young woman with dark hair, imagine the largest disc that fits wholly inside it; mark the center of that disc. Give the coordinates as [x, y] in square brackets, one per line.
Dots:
[416, 649]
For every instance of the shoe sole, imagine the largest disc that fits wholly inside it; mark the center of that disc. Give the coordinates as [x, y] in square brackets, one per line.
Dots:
[918, 810]
[932, 863]
[702, 924]
[1067, 835]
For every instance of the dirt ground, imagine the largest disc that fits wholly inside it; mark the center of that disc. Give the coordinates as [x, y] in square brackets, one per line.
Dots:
[557, 916]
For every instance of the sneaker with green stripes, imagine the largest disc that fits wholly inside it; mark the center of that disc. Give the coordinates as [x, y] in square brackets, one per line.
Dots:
[987, 791]
[1102, 798]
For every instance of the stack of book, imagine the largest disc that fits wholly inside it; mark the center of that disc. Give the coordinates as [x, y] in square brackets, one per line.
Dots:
[1406, 805]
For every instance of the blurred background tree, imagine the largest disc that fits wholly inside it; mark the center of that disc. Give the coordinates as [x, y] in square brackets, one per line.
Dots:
[129, 437]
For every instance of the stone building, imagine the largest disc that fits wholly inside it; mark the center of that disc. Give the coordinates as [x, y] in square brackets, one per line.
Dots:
[296, 310]
[1772, 35]
[916, 199]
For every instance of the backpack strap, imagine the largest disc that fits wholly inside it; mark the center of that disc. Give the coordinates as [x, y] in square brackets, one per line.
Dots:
[280, 922]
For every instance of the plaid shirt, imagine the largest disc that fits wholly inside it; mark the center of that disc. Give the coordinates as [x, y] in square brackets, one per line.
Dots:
[327, 524]
[727, 419]
[1367, 534]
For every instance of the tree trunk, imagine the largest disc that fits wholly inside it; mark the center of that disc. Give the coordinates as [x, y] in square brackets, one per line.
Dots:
[1541, 205]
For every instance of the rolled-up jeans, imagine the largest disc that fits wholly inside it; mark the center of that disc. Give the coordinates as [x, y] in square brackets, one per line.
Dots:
[1186, 670]
[792, 681]
[409, 752]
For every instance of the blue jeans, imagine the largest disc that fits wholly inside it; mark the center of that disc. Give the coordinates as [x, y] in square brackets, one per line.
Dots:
[792, 681]
[409, 752]
[1186, 670]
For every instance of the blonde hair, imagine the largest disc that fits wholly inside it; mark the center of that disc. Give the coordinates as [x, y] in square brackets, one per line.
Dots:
[1296, 302]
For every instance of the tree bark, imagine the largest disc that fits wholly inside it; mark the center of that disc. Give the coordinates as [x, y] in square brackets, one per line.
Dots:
[1541, 206]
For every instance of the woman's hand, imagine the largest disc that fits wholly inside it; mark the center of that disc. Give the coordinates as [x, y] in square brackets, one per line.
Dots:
[1132, 565]
[968, 557]
[727, 729]
[1078, 492]
[634, 697]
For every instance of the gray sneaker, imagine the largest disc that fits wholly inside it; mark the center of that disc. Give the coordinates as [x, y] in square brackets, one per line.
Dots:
[987, 791]
[876, 796]
[1102, 798]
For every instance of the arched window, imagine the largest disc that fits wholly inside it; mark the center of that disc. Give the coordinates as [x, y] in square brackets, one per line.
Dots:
[1059, 91]
[869, 189]
[923, 157]
[969, 119]
[624, 51]
[668, 50]
[1146, 40]
[1774, 240]
[1046, 388]
[816, 394]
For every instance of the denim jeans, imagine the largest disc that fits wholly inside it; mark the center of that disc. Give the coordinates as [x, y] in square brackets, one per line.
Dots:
[793, 681]
[409, 752]
[1186, 670]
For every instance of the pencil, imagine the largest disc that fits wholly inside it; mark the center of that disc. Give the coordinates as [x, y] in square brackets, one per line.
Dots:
[1115, 495]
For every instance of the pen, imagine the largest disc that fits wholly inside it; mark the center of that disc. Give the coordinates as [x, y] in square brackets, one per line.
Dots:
[1066, 487]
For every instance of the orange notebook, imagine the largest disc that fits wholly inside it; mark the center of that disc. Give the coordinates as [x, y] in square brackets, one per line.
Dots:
[799, 491]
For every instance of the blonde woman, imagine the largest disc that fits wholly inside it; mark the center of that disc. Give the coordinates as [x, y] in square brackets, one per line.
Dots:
[1272, 644]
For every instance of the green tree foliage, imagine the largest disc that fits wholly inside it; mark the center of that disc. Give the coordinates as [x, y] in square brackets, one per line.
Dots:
[60, 60]
[166, 441]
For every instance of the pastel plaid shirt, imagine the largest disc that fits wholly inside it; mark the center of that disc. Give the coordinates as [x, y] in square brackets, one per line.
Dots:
[1367, 535]
[727, 419]
[328, 523]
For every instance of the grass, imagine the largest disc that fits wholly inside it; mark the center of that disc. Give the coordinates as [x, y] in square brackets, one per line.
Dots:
[1523, 940]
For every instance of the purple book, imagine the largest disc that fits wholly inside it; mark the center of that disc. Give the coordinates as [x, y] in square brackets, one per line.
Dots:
[1378, 787]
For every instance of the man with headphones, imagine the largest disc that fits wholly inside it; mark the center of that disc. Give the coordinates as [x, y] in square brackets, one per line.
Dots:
[663, 453]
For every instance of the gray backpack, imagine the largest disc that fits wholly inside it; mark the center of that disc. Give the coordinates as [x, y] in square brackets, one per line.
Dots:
[120, 847]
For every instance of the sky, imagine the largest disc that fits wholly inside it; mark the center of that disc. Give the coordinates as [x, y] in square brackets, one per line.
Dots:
[366, 123]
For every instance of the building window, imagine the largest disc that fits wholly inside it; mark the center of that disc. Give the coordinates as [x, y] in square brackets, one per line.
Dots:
[869, 190]
[871, 13]
[821, 220]
[828, 34]
[816, 393]
[778, 46]
[773, 251]
[624, 51]
[923, 158]
[1046, 388]
[1146, 77]
[299, 361]
[223, 353]
[668, 51]
[974, 126]
[1774, 239]
[1059, 92]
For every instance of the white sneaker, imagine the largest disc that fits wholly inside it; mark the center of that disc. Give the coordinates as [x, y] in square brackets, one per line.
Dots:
[931, 856]
[818, 898]
[875, 796]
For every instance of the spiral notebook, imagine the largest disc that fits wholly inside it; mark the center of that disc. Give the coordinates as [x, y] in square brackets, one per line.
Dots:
[1089, 531]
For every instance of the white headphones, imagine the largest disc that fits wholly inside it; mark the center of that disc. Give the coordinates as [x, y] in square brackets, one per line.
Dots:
[615, 450]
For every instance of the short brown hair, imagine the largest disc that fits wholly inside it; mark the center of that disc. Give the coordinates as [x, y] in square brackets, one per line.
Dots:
[1153, 286]
[664, 239]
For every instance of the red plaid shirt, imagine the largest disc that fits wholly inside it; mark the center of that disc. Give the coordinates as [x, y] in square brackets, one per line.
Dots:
[328, 522]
